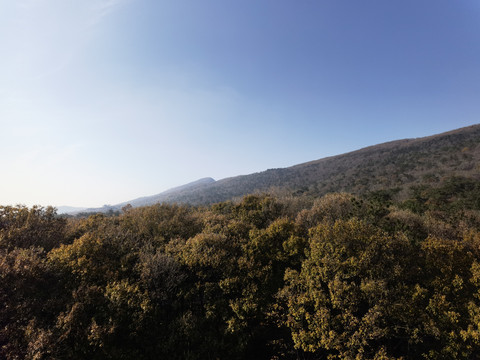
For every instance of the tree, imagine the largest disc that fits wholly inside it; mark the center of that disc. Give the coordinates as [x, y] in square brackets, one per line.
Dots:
[342, 301]
[24, 227]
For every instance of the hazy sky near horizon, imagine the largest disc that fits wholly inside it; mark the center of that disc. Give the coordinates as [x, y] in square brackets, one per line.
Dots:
[103, 101]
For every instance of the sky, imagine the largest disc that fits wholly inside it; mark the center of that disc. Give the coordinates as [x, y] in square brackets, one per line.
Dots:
[104, 101]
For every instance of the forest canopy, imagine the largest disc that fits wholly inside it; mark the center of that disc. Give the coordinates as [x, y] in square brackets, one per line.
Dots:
[335, 277]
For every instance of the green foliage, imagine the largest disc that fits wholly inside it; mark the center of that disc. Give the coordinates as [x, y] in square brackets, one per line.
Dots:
[161, 222]
[30, 300]
[22, 227]
[361, 294]
[452, 195]
[340, 302]
[335, 277]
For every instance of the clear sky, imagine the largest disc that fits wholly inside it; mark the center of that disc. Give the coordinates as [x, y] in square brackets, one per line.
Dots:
[103, 101]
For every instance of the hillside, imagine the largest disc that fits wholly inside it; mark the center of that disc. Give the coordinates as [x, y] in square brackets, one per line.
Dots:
[159, 198]
[265, 277]
[142, 201]
[397, 164]
[400, 163]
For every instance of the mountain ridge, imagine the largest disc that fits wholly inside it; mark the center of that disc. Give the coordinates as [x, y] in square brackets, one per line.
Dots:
[141, 201]
[403, 161]
[393, 164]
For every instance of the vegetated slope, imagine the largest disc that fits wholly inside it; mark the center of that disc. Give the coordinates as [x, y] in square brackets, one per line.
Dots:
[159, 198]
[396, 164]
[261, 278]
[342, 277]
[150, 200]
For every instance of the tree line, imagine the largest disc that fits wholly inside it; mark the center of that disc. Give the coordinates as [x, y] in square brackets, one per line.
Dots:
[336, 277]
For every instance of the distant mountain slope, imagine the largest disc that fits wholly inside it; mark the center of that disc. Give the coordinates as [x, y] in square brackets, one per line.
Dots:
[142, 201]
[395, 164]
[164, 196]
[69, 209]
[400, 163]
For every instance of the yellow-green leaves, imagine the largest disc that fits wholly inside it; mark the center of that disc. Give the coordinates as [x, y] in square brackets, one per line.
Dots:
[340, 300]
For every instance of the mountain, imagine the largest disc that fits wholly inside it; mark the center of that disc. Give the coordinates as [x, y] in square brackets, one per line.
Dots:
[146, 200]
[397, 164]
[164, 196]
[393, 165]
[69, 209]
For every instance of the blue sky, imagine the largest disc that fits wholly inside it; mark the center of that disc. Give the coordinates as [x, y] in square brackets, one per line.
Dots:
[103, 101]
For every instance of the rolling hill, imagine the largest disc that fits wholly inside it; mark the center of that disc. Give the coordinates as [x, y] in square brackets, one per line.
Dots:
[397, 164]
